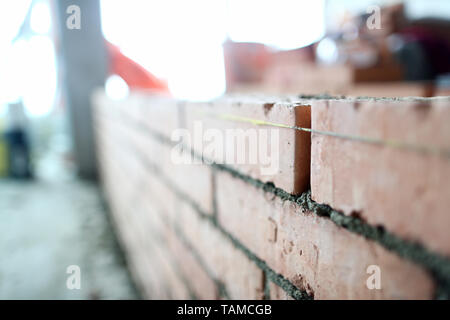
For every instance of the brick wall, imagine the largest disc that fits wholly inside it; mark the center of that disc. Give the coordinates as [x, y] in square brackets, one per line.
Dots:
[369, 186]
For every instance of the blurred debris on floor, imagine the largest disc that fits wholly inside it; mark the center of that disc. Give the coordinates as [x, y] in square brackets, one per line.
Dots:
[50, 224]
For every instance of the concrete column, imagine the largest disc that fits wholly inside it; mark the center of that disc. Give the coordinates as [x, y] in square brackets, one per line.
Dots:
[84, 65]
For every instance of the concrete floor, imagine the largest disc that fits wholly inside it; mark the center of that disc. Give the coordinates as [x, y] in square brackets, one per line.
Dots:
[52, 223]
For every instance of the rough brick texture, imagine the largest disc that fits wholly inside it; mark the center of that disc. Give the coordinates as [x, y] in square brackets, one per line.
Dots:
[310, 251]
[218, 230]
[288, 150]
[404, 191]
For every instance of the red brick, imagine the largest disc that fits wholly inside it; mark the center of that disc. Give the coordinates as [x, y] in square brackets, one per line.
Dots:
[141, 219]
[169, 272]
[131, 106]
[161, 214]
[241, 277]
[193, 180]
[103, 105]
[196, 182]
[292, 151]
[159, 113]
[404, 191]
[199, 280]
[391, 89]
[312, 252]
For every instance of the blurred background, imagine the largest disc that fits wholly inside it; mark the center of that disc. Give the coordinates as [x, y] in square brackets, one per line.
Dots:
[55, 53]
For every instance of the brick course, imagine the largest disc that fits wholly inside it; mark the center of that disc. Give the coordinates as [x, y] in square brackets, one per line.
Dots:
[224, 231]
[310, 251]
[292, 147]
[405, 192]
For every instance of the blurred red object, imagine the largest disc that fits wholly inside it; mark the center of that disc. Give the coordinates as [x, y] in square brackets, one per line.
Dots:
[136, 76]
[245, 62]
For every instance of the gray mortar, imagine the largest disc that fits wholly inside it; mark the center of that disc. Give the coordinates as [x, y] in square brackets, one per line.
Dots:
[276, 278]
[220, 286]
[266, 286]
[437, 265]
[328, 97]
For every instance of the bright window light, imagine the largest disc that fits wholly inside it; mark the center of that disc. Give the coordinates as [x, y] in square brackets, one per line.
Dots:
[40, 20]
[116, 88]
[39, 77]
[11, 18]
[283, 24]
[181, 41]
[177, 40]
[30, 75]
